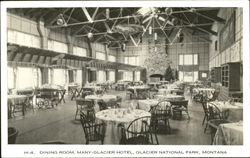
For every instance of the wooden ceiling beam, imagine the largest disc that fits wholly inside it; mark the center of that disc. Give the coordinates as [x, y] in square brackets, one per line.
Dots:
[211, 32]
[215, 18]
[54, 17]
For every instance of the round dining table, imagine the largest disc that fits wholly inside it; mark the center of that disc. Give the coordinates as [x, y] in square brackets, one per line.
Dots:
[147, 104]
[13, 100]
[169, 97]
[104, 97]
[235, 110]
[114, 117]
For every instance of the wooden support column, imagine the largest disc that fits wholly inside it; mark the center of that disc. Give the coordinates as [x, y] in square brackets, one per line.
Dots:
[116, 75]
[133, 75]
[43, 32]
[107, 75]
[84, 76]
[70, 40]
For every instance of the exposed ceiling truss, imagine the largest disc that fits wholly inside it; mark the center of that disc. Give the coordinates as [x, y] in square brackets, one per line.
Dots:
[100, 23]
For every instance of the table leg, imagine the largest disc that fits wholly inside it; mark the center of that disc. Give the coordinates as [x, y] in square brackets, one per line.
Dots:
[74, 94]
[62, 93]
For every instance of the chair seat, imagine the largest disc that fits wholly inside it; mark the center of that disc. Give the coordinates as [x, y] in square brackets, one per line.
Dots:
[138, 140]
[216, 122]
[95, 136]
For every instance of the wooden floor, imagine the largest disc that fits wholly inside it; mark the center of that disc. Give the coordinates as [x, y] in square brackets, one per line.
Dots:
[59, 124]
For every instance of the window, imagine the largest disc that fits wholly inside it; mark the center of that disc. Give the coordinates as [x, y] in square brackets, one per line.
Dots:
[204, 75]
[101, 76]
[59, 77]
[11, 77]
[112, 76]
[132, 61]
[100, 55]
[180, 59]
[57, 46]
[23, 39]
[188, 59]
[137, 76]
[79, 77]
[112, 58]
[128, 76]
[80, 51]
[195, 59]
[25, 77]
[188, 76]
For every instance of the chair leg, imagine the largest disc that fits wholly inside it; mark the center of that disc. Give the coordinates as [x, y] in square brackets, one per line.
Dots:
[206, 128]
[204, 120]
[76, 113]
[188, 114]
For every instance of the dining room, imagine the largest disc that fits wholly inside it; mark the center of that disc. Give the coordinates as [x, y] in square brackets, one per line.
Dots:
[125, 75]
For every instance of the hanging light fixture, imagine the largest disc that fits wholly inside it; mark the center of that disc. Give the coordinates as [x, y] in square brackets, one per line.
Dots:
[150, 30]
[90, 35]
[155, 36]
[107, 13]
[61, 21]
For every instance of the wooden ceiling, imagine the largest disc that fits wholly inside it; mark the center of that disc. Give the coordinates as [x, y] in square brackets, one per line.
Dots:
[82, 21]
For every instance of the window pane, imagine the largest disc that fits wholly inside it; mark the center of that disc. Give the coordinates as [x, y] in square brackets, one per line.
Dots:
[188, 59]
[100, 55]
[195, 59]
[10, 77]
[22, 81]
[180, 59]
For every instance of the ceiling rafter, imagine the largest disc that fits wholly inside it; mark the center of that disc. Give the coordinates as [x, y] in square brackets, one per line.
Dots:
[211, 32]
[156, 28]
[215, 18]
[54, 17]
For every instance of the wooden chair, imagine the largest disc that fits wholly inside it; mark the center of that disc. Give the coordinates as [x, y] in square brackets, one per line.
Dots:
[214, 124]
[93, 130]
[160, 115]
[206, 112]
[178, 107]
[102, 105]
[85, 105]
[119, 101]
[130, 94]
[142, 94]
[214, 113]
[138, 132]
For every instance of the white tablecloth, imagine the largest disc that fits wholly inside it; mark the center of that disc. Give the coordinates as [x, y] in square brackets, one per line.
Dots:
[94, 88]
[170, 97]
[229, 134]
[101, 97]
[114, 116]
[147, 104]
[235, 110]
[121, 115]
